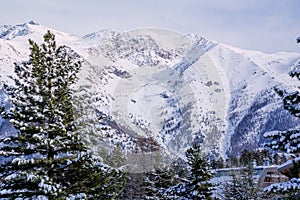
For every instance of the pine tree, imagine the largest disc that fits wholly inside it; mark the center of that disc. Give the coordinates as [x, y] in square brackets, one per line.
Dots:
[241, 185]
[246, 157]
[288, 141]
[231, 189]
[134, 188]
[47, 156]
[197, 185]
[158, 181]
[248, 187]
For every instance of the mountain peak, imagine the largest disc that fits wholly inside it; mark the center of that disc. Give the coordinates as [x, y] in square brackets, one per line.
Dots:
[9, 32]
[32, 22]
[99, 36]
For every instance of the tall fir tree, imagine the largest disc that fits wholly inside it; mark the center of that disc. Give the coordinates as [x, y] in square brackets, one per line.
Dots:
[230, 190]
[197, 185]
[156, 182]
[47, 157]
[241, 185]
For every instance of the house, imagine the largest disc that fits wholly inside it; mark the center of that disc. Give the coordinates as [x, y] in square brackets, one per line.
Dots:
[291, 168]
[263, 175]
[268, 175]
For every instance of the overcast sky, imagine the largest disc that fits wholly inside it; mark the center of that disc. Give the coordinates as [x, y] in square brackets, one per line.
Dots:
[264, 25]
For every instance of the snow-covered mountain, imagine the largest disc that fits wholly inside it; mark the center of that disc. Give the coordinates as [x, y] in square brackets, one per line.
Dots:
[161, 90]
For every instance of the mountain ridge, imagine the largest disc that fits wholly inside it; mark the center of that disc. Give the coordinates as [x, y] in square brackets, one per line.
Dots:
[196, 90]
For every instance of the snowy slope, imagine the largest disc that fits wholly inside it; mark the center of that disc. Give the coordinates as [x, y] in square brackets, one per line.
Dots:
[161, 90]
[254, 107]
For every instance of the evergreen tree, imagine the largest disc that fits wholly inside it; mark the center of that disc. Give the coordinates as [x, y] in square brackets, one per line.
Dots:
[217, 163]
[249, 188]
[241, 185]
[134, 188]
[158, 181]
[260, 156]
[231, 189]
[47, 156]
[197, 185]
[245, 158]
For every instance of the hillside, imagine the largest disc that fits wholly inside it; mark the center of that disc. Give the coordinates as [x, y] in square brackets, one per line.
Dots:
[161, 90]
